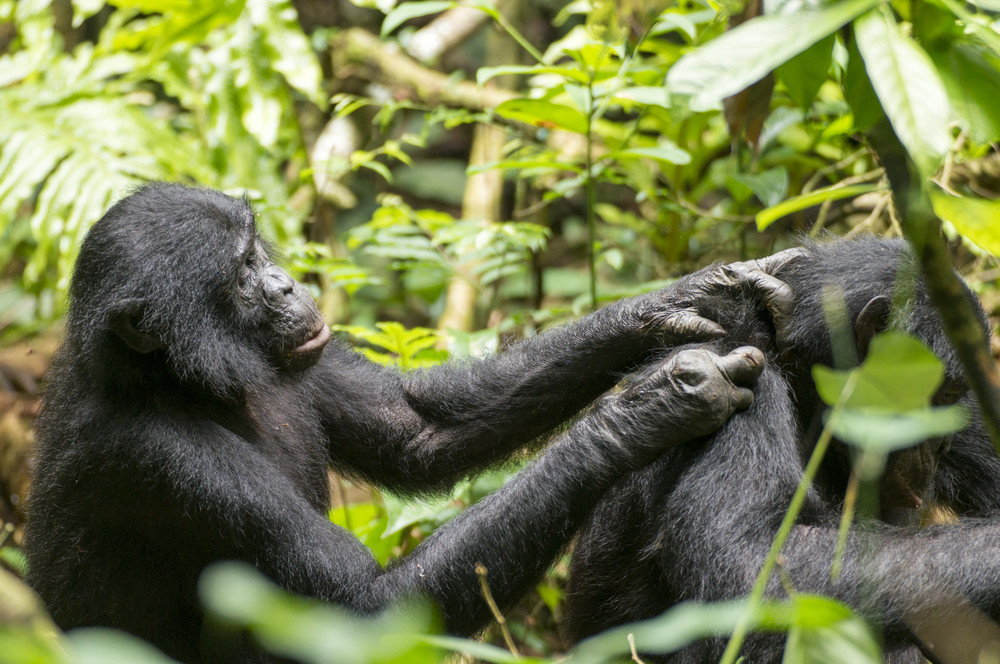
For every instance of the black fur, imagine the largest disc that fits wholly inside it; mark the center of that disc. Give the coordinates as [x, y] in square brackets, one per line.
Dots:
[698, 523]
[189, 418]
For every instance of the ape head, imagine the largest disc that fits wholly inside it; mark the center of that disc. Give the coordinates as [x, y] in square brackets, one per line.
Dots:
[845, 293]
[173, 283]
[871, 285]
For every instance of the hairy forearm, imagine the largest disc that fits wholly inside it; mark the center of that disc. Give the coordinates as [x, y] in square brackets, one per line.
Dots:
[526, 389]
[515, 534]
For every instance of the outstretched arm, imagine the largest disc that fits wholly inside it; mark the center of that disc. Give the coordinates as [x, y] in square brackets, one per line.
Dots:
[425, 429]
[258, 516]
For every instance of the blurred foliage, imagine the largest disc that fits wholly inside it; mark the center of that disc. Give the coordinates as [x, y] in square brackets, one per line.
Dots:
[643, 138]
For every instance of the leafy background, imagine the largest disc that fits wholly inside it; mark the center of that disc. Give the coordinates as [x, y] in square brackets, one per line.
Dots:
[447, 178]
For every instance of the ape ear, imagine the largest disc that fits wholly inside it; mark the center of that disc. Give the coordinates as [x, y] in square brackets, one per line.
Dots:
[124, 322]
[874, 318]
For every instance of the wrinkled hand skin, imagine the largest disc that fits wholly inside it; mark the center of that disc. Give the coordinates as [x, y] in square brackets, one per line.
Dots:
[689, 394]
[672, 312]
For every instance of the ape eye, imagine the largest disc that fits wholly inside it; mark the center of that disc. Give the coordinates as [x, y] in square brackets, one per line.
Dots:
[948, 395]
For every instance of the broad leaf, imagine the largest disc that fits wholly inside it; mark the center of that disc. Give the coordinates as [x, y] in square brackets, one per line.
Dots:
[884, 432]
[805, 73]
[977, 219]
[744, 55]
[404, 12]
[543, 114]
[908, 88]
[666, 152]
[899, 374]
[972, 80]
[832, 193]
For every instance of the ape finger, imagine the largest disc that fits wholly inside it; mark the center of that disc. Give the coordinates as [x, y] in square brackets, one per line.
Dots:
[742, 366]
[778, 296]
[776, 262]
[689, 326]
[742, 398]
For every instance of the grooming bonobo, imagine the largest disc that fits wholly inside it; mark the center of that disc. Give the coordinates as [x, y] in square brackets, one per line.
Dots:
[697, 524]
[197, 402]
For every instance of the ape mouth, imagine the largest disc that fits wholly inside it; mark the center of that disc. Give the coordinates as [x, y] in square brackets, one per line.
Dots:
[314, 344]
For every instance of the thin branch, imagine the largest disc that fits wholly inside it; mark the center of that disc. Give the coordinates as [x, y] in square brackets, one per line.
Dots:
[495, 610]
[362, 53]
[949, 295]
[635, 653]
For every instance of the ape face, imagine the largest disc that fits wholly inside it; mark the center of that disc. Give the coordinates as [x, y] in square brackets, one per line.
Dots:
[289, 327]
[176, 283]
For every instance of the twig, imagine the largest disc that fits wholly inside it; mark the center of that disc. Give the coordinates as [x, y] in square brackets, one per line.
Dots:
[843, 163]
[363, 52]
[708, 214]
[635, 653]
[445, 33]
[876, 212]
[495, 610]
[6, 532]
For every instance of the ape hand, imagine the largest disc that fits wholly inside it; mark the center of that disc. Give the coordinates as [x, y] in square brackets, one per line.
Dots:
[690, 394]
[672, 312]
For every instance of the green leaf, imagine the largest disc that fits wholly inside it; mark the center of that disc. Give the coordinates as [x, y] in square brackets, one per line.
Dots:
[478, 651]
[484, 74]
[651, 95]
[908, 87]
[805, 73]
[977, 219]
[972, 80]
[899, 374]
[744, 55]
[404, 12]
[829, 633]
[884, 432]
[666, 152]
[770, 186]
[832, 193]
[858, 91]
[105, 646]
[543, 114]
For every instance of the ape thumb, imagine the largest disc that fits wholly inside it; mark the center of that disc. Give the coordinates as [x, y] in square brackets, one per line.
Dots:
[742, 366]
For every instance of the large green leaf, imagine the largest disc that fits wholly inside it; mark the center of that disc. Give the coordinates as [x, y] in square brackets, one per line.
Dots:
[770, 215]
[747, 53]
[907, 85]
[884, 432]
[972, 79]
[407, 10]
[888, 406]
[899, 374]
[805, 73]
[829, 633]
[977, 219]
[543, 114]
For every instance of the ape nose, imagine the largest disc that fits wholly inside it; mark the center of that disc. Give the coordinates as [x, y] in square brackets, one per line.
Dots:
[279, 286]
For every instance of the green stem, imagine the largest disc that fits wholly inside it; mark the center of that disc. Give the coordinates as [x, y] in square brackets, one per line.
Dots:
[591, 189]
[798, 499]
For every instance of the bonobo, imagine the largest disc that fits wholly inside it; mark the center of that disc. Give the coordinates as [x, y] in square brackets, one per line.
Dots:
[196, 403]
[697, 524]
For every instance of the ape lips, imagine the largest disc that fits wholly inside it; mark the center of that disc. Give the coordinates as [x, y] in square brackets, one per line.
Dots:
[310, 350]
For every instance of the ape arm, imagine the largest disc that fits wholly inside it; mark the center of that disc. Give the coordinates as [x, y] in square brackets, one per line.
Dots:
[246, 508]
[429, 428]
[424, 430]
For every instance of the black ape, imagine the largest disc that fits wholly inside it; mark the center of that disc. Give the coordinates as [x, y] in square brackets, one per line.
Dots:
[698, 523]
[192, 412]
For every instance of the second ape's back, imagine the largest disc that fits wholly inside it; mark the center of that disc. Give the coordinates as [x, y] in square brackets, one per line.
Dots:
[697, 525]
